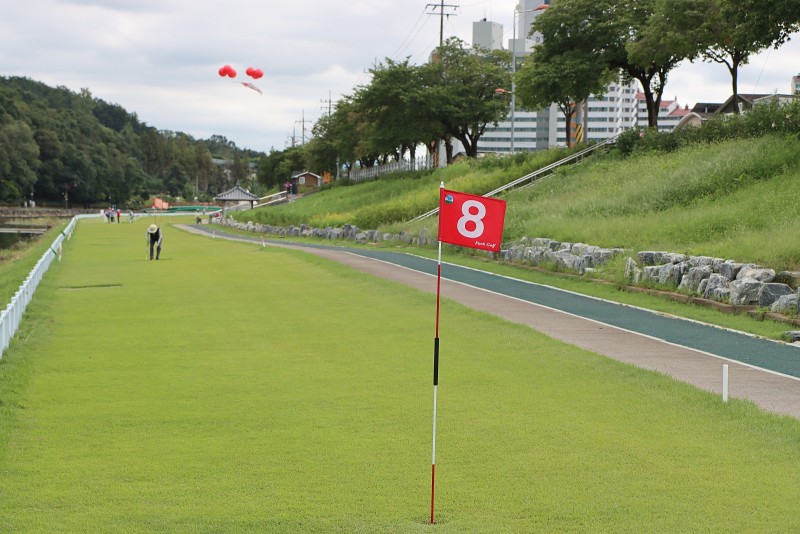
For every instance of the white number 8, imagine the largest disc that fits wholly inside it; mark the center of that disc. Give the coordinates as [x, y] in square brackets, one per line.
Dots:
[476, 218]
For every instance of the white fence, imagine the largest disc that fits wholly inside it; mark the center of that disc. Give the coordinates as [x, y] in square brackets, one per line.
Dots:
[11, 317]
[366, 173]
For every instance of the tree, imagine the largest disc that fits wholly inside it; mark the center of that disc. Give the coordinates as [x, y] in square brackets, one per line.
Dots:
[320, 150]
[267, 174]
[391, 104]
[342, 131]
[734, 30]
[614, 34]
[19, 159]
[460, 91]
[564, 79]
[293, 160]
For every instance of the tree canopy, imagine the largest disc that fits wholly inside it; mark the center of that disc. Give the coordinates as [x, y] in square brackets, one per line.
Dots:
[64, 148]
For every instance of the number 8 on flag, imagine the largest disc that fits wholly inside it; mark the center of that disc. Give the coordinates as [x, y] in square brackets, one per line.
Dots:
[470, 220]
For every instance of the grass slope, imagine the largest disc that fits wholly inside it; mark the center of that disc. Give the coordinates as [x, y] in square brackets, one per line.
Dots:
[733, 199]
[234, 388]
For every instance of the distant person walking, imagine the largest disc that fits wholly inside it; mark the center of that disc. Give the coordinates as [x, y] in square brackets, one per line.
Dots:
[154, 239]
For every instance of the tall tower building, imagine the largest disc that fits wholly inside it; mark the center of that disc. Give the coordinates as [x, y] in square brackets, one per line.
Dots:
[618, 108]
[487, 34]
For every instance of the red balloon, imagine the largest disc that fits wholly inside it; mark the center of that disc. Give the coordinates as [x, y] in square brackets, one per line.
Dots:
[258, 74]
[250, 71]
[227, 70]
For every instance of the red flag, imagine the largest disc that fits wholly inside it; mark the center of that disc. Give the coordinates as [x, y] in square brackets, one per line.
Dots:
[470, 220]
[158, 203]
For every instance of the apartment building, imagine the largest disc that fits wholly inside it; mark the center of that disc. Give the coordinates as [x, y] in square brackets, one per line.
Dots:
[621, 107]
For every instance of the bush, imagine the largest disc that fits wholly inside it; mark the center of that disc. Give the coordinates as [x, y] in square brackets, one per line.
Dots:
[763, 119]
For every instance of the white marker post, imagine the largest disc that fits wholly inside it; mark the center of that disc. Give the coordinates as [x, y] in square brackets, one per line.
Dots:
[725, 382]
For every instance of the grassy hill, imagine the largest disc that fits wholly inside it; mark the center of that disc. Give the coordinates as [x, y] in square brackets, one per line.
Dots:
[733, 199]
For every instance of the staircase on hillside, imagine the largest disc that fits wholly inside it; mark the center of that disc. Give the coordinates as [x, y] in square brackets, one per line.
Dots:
[537, 174]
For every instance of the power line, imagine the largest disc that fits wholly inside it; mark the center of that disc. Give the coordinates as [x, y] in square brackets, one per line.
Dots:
[406, 42]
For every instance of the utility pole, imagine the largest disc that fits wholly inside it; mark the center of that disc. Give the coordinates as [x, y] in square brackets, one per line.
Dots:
[441, 8]
[303, 125]
[329, 102]
[442, 15]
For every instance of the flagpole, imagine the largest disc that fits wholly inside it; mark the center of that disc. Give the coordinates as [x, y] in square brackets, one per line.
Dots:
[436, 368]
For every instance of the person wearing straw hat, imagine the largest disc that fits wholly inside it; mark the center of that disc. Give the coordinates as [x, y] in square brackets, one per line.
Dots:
[154, 239]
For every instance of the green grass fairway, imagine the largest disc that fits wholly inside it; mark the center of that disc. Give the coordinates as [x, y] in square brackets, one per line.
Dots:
[234, 388]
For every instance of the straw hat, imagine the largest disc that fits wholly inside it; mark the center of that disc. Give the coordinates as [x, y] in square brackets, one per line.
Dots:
[152, 229]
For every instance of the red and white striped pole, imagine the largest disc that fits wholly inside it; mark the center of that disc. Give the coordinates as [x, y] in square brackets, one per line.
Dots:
[436, 372]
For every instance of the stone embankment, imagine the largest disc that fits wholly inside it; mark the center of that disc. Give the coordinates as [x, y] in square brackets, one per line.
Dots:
[742, 285]
[346, 232]
[575, 257]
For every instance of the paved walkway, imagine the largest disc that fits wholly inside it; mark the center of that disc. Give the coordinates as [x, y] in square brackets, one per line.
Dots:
[763, 371]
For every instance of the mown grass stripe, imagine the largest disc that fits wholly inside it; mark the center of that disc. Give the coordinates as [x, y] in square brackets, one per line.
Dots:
[234, 388]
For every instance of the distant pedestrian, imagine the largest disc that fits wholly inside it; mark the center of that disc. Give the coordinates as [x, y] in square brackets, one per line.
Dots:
[119, 213]
[154, 239]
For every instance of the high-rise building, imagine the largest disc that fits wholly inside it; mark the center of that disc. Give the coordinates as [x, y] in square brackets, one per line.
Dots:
[487, 34]
[621, 107]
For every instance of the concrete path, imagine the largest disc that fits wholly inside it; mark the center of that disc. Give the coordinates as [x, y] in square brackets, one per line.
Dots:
[763, 371]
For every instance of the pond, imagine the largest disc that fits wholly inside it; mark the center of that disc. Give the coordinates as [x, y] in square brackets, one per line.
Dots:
[9, 239]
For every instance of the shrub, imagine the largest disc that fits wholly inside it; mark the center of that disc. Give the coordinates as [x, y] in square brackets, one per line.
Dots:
[762, 119]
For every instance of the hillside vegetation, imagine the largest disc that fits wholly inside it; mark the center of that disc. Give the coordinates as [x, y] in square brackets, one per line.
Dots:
[733, 199]
[728, 189]
[61, 148]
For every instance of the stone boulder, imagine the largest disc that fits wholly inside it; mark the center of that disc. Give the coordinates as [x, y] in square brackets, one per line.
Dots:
[771, 292]
[785, 304]
[756, 272]
[647, 258]
[693, 277]
[632, 271]
[729, 269]
[717, 287]
[745, 291]
[670, 274]
[650, 273]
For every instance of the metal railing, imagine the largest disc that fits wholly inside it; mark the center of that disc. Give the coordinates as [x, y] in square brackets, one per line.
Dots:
[535, 175]
[275, 198]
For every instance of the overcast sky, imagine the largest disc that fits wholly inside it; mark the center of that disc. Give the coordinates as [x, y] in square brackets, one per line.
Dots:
[160, 58]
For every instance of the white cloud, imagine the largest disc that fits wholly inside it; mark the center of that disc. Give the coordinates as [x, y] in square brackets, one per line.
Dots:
[159, 58]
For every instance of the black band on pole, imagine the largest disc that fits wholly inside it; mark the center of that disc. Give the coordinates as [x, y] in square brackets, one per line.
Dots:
[436, 361]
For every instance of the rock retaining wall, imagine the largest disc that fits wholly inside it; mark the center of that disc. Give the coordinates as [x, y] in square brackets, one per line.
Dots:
[740, 284]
